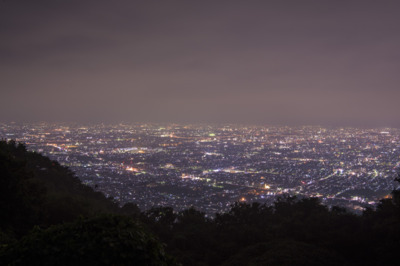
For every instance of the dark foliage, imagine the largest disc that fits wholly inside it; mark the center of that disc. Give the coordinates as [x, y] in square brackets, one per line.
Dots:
[294, 231]
[41, 218]
[104, 240]
[36, 192]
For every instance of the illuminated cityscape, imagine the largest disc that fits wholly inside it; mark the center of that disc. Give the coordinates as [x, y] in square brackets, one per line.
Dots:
[199, 132]
[210, 167]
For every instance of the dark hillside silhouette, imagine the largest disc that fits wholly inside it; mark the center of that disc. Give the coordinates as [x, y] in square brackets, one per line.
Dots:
[104, 240]
[35, 190]
[43, 206]
[48, 215]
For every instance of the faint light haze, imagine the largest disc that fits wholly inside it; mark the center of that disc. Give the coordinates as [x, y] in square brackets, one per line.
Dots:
[286, 62]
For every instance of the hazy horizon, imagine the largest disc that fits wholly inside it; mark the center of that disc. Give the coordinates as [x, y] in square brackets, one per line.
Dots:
[329, 63]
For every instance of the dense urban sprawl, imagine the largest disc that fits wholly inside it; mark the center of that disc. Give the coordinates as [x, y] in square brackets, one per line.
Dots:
[210, 167]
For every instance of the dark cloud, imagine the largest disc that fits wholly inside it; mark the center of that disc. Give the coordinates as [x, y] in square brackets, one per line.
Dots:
[326, 62]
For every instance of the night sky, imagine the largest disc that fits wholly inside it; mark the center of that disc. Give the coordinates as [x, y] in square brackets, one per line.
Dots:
[259, 62]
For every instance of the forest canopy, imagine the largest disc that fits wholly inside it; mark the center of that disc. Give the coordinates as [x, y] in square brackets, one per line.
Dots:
[49, 217]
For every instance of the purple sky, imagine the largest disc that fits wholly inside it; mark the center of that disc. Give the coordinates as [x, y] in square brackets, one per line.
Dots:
[266, 62]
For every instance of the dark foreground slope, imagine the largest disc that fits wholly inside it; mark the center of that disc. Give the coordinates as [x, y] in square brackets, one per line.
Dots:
[48, 217]
[35, 190]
